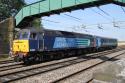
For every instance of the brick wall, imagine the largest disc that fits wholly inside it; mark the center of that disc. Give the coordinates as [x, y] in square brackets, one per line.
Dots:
[6, 35]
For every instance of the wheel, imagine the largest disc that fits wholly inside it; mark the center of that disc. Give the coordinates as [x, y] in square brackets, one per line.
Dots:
[26, 61]
[17, 59]
[37, 58]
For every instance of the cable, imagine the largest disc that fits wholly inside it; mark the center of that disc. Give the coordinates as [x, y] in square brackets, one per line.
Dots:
[78, 19]
[114, 25]
[99, 14]
[123, 9]
[105, 12]
[100, 26]
[65, 15]
[72, 17]
[50, 21]
[46, 19]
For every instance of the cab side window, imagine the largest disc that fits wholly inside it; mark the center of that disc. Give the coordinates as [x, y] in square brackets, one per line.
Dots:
[41, 36]
[24, 35]
[17, 36]
[33, 36]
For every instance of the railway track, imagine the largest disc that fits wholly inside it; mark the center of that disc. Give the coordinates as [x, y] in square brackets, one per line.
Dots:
[85, 71]
[10, 66]
[20, 73]
[14, 65]
[6, 61]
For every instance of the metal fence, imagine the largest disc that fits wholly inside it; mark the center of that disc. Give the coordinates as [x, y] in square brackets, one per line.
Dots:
[6, 35]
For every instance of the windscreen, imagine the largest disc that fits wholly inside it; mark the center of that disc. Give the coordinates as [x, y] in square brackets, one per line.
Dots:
[33, 35]
[24, 35]
[17, 35]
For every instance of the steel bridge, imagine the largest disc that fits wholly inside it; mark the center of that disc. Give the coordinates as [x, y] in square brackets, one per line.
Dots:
[49, 7]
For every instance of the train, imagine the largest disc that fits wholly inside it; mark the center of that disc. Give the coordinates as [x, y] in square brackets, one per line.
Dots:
[32, 45]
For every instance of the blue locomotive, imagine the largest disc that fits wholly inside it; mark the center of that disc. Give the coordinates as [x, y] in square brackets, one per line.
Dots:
[31, 44]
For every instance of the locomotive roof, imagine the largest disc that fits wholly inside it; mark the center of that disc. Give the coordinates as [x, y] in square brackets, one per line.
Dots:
[80, 34]
[49, 30]
[66, 32]
[31, 29]
[104, 37]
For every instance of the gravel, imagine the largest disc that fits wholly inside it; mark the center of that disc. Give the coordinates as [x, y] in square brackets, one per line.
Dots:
[10, 64]
[35, 66]
[66, 71]
[86, 76]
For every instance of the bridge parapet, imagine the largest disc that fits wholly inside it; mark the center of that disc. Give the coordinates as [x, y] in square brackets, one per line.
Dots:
[48, 7]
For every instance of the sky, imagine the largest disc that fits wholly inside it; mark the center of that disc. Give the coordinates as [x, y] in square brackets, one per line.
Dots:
[91, 21]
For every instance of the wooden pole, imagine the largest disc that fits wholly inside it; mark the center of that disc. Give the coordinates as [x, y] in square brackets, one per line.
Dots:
[11, 30]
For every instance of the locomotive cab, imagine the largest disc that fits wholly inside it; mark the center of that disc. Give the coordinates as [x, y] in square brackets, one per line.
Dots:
[27, 41]
[20, 43]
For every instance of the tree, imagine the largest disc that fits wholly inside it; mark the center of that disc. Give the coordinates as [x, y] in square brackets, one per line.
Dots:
[36, 23]
[10, 7]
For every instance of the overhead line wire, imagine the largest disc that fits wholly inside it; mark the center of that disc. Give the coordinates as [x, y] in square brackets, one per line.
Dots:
[50, 21]
[45, 19]
[64, 14]
[105, 13]
[79, 18]
[72, 16]
[95, 11]
[99, 14]
[123, 9]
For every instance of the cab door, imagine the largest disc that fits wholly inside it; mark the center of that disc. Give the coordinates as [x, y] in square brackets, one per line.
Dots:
[34, 43]
[41, 41]
[98, 42]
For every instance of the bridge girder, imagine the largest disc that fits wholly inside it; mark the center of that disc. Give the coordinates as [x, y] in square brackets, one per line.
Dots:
[49, 7]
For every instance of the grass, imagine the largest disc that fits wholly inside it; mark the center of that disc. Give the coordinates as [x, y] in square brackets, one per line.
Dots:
[4, 57]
